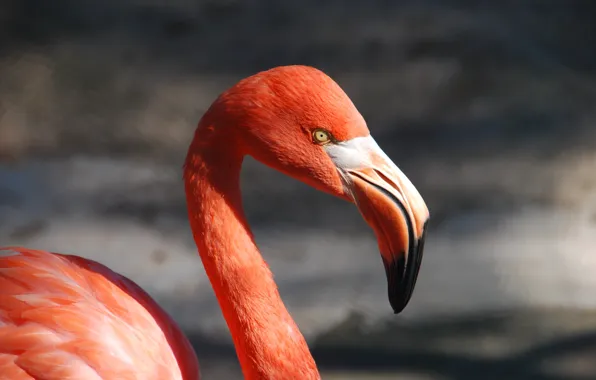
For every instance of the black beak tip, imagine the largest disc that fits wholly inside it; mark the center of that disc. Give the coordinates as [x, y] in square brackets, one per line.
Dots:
[398, 308]
[398, 286]
[402, 274]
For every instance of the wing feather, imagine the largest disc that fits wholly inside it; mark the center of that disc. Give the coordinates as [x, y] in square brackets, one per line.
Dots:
[65, 317]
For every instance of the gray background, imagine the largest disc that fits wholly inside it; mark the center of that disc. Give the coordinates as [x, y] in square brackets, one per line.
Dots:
[486, 106]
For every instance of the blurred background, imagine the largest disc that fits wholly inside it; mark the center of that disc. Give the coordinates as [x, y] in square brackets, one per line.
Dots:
[488, 107]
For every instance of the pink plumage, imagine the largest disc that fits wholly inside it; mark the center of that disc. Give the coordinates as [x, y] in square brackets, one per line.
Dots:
[64, 317]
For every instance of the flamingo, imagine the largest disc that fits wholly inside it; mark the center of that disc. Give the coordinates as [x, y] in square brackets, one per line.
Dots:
[66, 317]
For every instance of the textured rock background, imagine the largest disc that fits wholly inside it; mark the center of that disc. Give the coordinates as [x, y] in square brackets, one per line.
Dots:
[488, 108]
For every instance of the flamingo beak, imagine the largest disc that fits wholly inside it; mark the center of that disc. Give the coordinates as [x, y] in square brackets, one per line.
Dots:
[391, 206]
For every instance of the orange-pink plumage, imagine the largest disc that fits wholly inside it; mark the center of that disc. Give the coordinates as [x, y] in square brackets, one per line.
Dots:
[64, 317]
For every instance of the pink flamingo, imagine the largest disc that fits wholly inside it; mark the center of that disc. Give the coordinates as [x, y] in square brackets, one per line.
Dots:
[64, 317]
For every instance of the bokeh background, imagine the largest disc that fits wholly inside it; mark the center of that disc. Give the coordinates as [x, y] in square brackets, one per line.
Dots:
[487, 106]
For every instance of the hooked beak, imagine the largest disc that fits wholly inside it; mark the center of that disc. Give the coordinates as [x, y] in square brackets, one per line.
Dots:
[391, 206]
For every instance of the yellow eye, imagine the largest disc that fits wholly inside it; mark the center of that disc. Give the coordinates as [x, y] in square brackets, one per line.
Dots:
[321, 136]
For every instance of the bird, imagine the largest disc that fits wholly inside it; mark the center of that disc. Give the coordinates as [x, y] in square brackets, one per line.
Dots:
[67, 317]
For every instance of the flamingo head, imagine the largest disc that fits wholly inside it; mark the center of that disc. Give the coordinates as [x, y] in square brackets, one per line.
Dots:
[297, 120]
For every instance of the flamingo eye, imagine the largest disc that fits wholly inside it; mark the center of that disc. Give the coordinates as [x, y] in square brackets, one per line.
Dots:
[321, 136]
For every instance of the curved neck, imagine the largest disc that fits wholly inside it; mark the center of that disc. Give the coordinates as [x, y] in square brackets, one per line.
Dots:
[267, 340]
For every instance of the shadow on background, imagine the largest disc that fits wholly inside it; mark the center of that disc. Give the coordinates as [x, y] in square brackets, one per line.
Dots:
[266, 33]
[488, 346]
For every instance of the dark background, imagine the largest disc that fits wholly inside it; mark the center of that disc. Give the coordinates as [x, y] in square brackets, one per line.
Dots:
[488, 107]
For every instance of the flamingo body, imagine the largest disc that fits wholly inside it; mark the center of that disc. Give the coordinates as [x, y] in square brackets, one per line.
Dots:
[64, 317]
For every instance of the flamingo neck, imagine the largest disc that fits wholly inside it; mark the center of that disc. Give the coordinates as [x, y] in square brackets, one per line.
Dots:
[267, 340]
